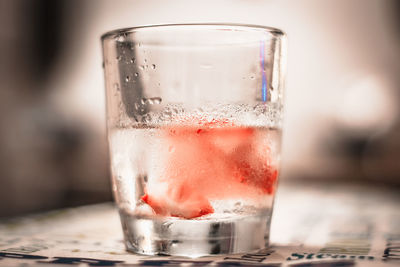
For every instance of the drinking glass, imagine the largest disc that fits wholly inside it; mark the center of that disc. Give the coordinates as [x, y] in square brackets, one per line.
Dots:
[194, 116]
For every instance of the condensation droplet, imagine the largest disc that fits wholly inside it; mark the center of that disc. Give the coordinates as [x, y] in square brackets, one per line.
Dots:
[116, 86]
[136, 74]
[150, 101]
[132, 60]
[141, 67]
[114, 188]
[153, 66]
[157, 100]
[120, 38]
[118, 58]
[127, 79]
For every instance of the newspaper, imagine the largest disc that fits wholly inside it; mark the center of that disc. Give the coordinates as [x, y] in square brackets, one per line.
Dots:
[312, 225]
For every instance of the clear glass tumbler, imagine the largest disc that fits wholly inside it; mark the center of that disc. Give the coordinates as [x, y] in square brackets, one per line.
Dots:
[194, 116]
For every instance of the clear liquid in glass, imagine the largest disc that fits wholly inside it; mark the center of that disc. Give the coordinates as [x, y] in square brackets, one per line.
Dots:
[195, 188]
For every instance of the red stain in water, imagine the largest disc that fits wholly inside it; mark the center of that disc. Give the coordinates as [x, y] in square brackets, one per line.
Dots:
[209, 163]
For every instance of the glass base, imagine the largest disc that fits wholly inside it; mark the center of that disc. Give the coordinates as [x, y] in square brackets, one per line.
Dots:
[196, 237]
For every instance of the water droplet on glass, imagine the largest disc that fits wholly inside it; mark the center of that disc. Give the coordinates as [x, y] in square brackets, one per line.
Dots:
[141, 67]
[146, 118]
[120, 38]
[167, 225]
[116, 86]
[153, 66]
[127, 79]
[132, 60]
[150, 101]
[114, 188]
[118, 58]
[157, 100]
[136, 74]
[252, 77]
[145, 60]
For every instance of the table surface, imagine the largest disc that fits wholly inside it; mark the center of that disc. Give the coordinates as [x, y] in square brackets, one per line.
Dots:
[313, 225]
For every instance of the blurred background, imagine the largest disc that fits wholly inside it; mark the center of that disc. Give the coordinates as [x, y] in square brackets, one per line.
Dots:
[342, 121]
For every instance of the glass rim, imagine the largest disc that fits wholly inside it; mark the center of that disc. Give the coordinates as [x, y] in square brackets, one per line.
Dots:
[117, 32]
